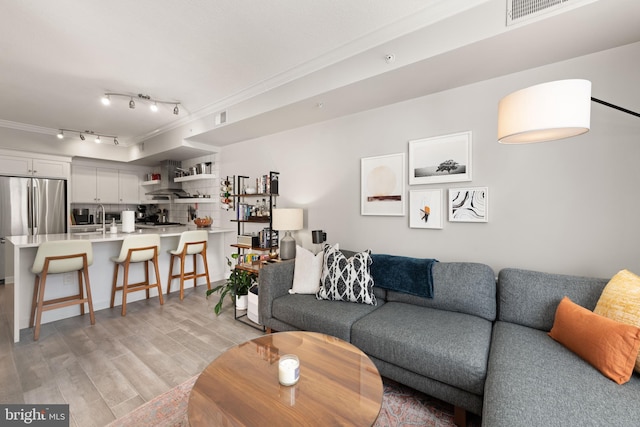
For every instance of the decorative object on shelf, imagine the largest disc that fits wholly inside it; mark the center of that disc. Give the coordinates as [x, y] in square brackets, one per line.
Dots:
[318, 236]
[548, 112]
[82, 133]
[153, 103]
[287, 220]
[237, 284]
[382, 185]
[425, 209]
[469, 204]
[203, 222]
[445, 158]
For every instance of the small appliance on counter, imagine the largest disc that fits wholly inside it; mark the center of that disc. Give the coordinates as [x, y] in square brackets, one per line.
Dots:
[81, 216]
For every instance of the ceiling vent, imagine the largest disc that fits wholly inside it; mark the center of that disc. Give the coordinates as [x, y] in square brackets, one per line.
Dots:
[521, 10]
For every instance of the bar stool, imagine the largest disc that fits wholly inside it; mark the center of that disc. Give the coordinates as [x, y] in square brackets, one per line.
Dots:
[191, 243]
[136, 248]
[55, 258]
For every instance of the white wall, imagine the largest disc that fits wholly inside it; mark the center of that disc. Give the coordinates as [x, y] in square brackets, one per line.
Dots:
[568, 206]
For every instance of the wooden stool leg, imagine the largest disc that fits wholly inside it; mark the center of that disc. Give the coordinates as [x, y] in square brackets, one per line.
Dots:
[146, 276]
[206, 266]
[88, 286]
[182, 257]
[36, 331]
[113, 287]
[170, 274]
[125, 288]
[80, 292]
[34, 301]
[155, 264]
[195, 270]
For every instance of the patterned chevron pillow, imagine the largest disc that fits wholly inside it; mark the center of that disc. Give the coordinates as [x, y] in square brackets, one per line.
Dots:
[346, 279]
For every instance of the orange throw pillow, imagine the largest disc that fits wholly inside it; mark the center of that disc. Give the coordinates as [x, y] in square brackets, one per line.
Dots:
[609, 346]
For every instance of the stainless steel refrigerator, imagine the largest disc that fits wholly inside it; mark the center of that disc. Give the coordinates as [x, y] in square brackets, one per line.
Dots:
[30, 206]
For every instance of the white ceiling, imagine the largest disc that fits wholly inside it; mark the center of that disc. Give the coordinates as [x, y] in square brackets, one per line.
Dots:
[57, 58]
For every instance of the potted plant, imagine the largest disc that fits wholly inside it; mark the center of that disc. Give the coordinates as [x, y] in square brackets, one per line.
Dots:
[237, 286]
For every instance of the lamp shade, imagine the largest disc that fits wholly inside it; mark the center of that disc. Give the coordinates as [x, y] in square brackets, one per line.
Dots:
[545, 112]
[287, 219]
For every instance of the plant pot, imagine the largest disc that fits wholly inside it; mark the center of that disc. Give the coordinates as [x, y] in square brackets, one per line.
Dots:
[242, 302]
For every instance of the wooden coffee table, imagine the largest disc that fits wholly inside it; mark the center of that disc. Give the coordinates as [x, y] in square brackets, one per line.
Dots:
[339, 385]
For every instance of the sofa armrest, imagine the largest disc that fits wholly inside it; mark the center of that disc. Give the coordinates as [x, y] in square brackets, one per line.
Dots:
[274, 281]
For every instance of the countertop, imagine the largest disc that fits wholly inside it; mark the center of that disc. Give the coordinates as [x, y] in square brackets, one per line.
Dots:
[98, 236]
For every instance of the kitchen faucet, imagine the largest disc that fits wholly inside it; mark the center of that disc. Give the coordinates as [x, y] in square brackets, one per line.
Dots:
[104, 227]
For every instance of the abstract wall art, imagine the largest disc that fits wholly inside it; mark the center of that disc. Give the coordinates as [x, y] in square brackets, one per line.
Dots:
[382, 185]
[469, 204]
[425, 209]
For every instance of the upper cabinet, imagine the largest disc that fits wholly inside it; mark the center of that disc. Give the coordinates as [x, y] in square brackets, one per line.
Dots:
[102, 185]
[26, 166]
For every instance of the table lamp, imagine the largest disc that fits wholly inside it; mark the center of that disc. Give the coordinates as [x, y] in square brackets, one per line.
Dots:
[287, 220]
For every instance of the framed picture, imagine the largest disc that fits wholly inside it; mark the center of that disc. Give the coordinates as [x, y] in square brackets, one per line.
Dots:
[469, 204]
[425, 209]
[440, 159]
[382, 185]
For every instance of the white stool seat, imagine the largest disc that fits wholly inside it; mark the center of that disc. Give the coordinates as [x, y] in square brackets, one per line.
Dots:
[55, 258]
[135, 242]
[193, 243]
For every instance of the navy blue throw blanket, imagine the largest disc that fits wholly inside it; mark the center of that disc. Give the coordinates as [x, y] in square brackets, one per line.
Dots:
[412, 276]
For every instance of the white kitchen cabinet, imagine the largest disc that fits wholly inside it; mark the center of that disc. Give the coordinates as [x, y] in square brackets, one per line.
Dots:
[94, 185]
[15, 165]
[129, 187]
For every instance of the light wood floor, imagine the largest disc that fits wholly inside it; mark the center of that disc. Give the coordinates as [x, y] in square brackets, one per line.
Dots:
[106, 370]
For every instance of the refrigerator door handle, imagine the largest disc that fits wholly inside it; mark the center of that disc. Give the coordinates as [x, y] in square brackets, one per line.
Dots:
[29, 208]
[35, 205]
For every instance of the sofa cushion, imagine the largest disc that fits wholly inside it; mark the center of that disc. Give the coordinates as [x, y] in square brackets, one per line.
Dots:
[533, 380]
[609, 346]
[463, 287]
[346, 279]
[307, 313]
[442, 345]
[530, 298]
[620, 301]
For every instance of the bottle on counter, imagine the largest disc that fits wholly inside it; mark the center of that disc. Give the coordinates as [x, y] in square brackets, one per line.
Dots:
[114, 227]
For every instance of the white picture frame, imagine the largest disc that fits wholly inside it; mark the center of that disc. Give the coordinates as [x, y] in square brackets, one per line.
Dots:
[425, 209]
[382, 185]
[469, 204]
[441, 159]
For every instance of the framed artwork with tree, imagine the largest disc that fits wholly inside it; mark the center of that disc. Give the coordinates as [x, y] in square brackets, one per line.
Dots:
[439, 159]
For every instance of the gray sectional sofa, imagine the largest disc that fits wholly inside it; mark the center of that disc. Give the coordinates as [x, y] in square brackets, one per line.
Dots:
[477, 344]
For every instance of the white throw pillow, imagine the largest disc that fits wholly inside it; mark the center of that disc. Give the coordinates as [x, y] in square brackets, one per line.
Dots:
[308, 269]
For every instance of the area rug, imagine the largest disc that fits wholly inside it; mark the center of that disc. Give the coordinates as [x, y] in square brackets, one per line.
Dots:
[401, 406]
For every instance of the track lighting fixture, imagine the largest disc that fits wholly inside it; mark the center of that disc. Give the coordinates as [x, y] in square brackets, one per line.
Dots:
[82, 133]
[153, 103]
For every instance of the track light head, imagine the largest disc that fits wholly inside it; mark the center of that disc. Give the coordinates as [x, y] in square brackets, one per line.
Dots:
[154, 107]
[132, 104]
[106, 100]
[176, 111]
[98, 139]
[82, 137]
[60, 135]
[115, 141]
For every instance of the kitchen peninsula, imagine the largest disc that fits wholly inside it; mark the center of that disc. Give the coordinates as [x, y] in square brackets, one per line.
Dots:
[22, 250]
